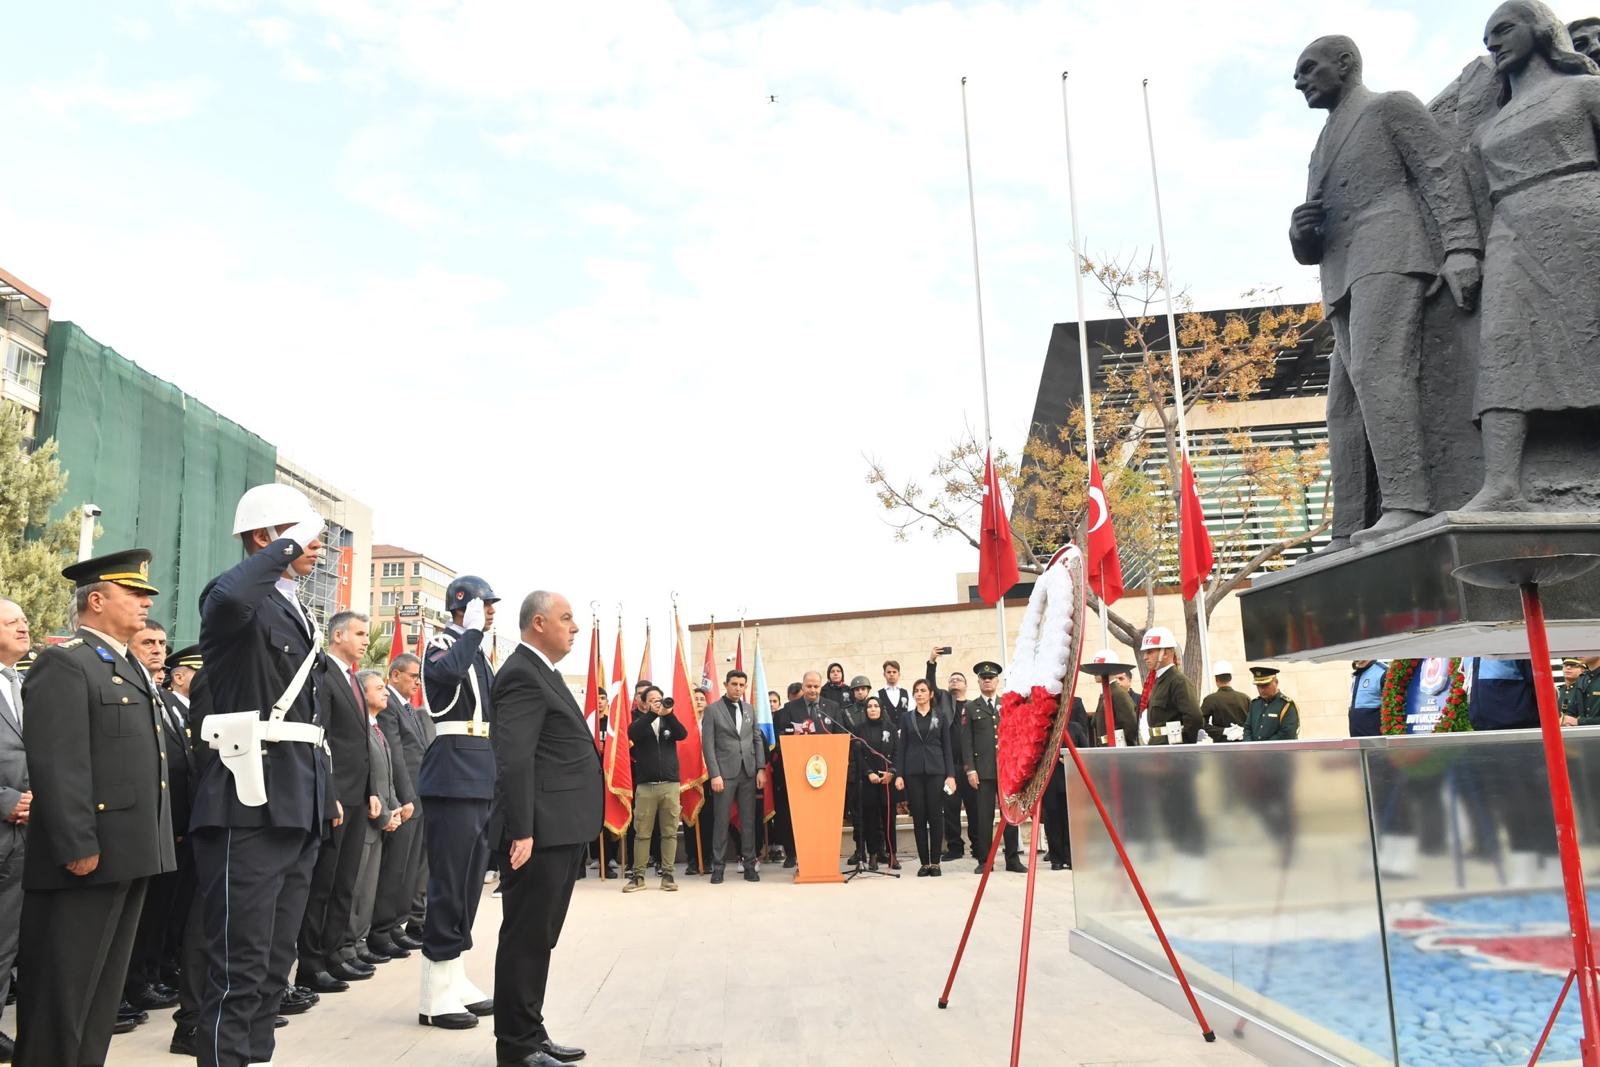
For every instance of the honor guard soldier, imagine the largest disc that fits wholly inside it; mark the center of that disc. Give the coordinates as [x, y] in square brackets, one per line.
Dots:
[100, 825]
[977, 741]
[456, 785]
[1172, 708]
[1273, 716]
[1225, 710]
[262, 797]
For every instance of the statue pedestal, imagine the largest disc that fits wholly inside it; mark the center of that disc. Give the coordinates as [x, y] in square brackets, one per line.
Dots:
[1399, 599]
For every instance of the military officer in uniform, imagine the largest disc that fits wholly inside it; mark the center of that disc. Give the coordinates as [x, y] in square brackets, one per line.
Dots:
[1273, 716]
[1225, 709]
[100, 825]
[456, 785]
[1124, 714]
[977, 739]
[1586, 699]
[263, 796]
[1172, 708]
[1567, 691]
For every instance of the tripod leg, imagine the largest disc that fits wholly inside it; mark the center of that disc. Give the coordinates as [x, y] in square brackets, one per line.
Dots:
[1138, 887]
[1550, 1023]
[988, 865]
[1027, 932]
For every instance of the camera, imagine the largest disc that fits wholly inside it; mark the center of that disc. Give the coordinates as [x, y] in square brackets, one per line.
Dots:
[945, 650]
[666, 703]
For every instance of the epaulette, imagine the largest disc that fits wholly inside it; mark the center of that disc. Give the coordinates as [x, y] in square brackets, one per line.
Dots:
[74, 643]
[442, 640]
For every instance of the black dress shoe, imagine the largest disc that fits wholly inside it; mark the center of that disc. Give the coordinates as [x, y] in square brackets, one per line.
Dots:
[716, 876]
[456, 1020]
[1057, 865]
[279, 1022]
[951, 854]
[322, 982]
[148, 998]
[564, 1053]
[305, 994]
[295, 1002]
[124, 1026]
[788, 862]
[532, 1059]
[404, 939]
[183, 1042]
[371, 957]
[128, 1011]
[8, 1049]
[1015, 865]
[387, 948]
[350, 971]
[750, 874]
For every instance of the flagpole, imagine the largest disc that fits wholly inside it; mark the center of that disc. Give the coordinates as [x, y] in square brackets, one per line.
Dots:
[983, 356]
[1177, 381]
[1083, 327]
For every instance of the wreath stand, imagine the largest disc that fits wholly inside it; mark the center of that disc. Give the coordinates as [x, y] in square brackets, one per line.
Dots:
[1525, 575]
[1017, 810]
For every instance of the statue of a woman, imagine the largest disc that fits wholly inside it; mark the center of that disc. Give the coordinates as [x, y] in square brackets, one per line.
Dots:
[1540, 154]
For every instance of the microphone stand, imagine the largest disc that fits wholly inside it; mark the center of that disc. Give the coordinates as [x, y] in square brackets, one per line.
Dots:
[888, 770]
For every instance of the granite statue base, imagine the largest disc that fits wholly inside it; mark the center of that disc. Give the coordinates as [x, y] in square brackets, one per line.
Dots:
[1398, 598]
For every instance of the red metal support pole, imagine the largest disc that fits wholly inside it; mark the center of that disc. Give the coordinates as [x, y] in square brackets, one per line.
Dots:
[1027, 933]
[988, 865]
[1550, 1023]
[1150, 911]
[1555, 758]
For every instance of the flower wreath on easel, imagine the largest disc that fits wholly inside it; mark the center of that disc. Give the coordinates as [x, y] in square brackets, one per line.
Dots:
[1039, 684]
[1392, 701]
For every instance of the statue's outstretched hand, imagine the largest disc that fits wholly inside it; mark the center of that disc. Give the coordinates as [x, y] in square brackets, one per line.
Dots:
[1464, 277]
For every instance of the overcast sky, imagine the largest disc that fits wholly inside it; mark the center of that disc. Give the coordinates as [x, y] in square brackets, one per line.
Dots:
[635, 322]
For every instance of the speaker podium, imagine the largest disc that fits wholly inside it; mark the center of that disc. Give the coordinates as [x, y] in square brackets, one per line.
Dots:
[815, 767]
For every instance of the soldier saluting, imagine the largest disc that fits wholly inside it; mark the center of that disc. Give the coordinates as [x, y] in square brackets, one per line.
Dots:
[101, 821]
[1273, 716]
[1171, 707]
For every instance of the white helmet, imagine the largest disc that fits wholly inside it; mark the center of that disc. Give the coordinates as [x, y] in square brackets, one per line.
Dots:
[1105, 655]
[1221, 667]
[272, 506]
[1157, 637]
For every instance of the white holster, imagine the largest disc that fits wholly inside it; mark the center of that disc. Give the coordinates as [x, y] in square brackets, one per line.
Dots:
[237, 736]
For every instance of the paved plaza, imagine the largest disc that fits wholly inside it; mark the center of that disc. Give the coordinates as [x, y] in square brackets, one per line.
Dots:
[775, 974]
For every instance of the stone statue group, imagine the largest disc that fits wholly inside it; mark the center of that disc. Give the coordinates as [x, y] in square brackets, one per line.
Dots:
[1459, 250]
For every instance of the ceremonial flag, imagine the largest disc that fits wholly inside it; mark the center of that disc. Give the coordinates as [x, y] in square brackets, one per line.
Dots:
[1105, 566]
[997, 557]
[591, 689]
[418, 697]
[646, 669]
[616, 760]
[1195, 559]
[691, 760]
[758, 700]
[708, 670]
[738, 652]
[397, 640]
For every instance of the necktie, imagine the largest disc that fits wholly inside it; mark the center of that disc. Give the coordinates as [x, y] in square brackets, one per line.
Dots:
[738, 720]
[355, 690]
[383, 742]
[14, 692]
[1149, 684]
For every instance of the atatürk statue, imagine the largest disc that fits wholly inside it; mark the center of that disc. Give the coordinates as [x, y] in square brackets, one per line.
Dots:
[1387, 216]
[1540, 154]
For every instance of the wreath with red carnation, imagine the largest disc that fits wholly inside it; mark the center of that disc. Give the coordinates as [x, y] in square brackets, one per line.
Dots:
[1392, 701]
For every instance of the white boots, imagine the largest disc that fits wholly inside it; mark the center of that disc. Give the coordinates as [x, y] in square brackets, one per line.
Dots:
[441, 1004]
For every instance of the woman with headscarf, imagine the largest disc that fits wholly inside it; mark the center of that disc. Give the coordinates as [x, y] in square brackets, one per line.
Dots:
[834, 688]
[925, 766]
[1540, 155]
[874, 772]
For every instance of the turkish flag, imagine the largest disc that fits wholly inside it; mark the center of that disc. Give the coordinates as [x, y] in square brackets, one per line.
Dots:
[691, 760]
[1104, 565]
[1195, 559]
[616, 759]
[997, 556]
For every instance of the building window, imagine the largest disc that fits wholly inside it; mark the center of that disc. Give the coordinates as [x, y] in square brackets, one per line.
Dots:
[394, 570]
[386, 629]
[416, 569]
[388, 598]
[416, 596]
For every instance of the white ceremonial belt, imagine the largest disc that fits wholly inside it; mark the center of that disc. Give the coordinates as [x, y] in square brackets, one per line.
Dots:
[305, 732]
[461, 729]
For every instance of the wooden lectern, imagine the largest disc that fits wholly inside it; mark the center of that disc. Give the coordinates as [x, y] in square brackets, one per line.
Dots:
[815, 767]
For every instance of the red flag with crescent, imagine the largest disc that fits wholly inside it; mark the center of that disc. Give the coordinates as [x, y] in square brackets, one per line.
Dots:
[1104, 566]
[1195, 558]
[997, 556]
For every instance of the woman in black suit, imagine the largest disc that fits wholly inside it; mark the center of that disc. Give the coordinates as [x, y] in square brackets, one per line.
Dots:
[926, 769]
[878, 732]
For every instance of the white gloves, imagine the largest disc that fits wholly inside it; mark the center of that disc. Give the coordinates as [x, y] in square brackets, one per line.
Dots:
[305, 531]
[1233, 733]
[472, 615]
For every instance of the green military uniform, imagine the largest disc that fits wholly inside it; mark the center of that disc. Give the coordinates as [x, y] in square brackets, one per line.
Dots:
[1222, 709]
[1585, 697]
[1272, 718]
[1123, 712]
[1174, 710]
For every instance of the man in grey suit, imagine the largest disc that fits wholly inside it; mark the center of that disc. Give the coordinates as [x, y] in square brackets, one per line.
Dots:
[1388, 217]
[736, 761]
[15, 797]
[408, 731]
[384, 813]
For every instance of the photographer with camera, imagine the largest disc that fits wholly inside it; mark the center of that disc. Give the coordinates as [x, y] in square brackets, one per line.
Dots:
[654, 735]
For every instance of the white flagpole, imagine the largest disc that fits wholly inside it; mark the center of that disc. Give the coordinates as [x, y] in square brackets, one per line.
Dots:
[1177, 381]
[1083, 327]
[983, 357]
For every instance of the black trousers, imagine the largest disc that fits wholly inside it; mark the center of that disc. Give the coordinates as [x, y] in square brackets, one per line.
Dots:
[534, 900]
[926, 793]
[952, 816]
[981, 804]
[1053, 809]
[166, 906]
[458, 856]
[332, 896]
[397, 879]
[192, 979]
[73, 959]
[252, 884]
[877, 814]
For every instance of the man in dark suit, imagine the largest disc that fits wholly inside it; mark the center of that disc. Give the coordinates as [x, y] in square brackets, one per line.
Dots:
[259, 815]
[1388, 214]
[408, 731]
[325, 930]
[736, 761]
[15, 796]
[385, 813]
[550, 796]
[102, 824]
